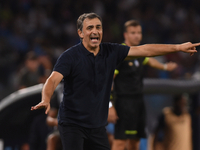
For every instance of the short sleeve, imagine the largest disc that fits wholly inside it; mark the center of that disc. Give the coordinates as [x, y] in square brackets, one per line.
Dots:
[63, 64]
[122, 52]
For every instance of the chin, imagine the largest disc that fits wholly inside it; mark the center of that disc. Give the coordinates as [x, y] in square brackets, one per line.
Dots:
[95, 45]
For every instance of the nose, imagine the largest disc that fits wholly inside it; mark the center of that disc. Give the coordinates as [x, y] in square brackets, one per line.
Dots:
[94, 30]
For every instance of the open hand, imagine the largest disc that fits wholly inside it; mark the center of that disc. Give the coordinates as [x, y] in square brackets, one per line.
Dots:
[42, 105]
[171, 66]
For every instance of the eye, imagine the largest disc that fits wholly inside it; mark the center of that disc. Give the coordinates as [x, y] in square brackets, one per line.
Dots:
[89, 27]
[98, 27]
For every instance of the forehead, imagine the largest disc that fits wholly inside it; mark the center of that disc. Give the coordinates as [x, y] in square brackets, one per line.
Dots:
[134, 28]
[93, 22]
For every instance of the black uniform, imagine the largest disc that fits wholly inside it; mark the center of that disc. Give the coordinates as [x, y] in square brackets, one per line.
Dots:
[129, 104]
[55, 103]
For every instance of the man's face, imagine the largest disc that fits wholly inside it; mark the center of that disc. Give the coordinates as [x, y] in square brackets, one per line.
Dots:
[133, 35]
[91, 33]
[32, 65]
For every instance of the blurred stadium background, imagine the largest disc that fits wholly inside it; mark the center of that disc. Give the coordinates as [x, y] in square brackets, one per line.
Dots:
[48, 27]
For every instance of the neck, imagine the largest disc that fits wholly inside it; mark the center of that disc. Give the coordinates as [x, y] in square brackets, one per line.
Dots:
[94, 50]
[129, 43]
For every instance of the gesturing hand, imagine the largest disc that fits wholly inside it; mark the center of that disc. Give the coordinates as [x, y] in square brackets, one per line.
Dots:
[188, 47]
[42, 105]
[171, 66]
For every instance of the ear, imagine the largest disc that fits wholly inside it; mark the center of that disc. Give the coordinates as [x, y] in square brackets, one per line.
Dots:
[80, 33]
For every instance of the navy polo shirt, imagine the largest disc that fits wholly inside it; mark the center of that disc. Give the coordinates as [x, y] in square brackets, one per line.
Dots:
[87, 83]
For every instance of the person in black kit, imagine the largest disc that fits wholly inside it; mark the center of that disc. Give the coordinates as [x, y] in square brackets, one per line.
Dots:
[53, 139]
[38, 133]
[128, 87]
[87, 69]
[43, 126]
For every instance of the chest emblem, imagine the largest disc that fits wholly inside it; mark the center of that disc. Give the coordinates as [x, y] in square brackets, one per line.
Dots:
[130, 63]
[135, 63]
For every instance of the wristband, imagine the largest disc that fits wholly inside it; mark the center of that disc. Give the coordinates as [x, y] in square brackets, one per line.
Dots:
[110, 104]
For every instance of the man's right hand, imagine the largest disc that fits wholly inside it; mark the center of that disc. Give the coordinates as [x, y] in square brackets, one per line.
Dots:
[42, 105]
[187, 47]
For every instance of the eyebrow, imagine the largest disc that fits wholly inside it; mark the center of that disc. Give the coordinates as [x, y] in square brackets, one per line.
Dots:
[90, 26]
[98, 25]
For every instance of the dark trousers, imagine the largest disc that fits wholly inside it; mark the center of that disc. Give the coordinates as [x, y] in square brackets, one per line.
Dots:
[75, 137]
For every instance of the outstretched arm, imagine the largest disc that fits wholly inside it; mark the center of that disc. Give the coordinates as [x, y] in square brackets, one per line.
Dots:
[161, 49]
[156, 64]
[47, 91]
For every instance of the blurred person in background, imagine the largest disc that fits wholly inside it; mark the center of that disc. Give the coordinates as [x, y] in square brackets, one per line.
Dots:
[128, 88]
[174, 129]
[38, 133]
[32, 73]
[25, 146]
[44, 134]
[83, 112]
[112, 118]
[8, 64]
[53, 139]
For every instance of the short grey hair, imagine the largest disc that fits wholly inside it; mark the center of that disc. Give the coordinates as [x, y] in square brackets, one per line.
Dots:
[83, 17]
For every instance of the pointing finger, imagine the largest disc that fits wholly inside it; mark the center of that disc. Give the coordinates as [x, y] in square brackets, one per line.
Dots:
[196, 44]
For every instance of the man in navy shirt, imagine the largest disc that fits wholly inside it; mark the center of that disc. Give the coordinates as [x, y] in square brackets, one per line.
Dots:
[87, 69]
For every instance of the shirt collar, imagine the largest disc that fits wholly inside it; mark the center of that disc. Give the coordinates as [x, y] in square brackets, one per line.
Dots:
[123, 43]
[86, 52]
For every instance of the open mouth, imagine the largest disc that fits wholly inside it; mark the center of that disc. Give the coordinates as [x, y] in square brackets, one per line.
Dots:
[94, 39]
